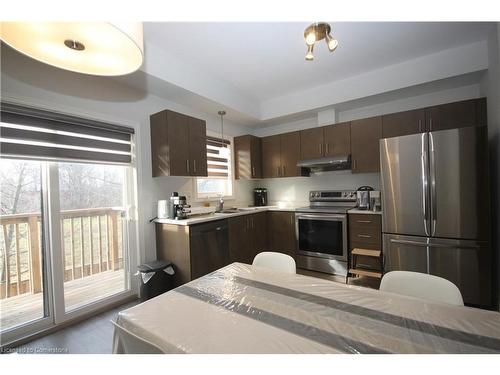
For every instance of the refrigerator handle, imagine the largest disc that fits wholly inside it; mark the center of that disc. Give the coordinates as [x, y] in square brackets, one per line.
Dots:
[425, 183]
[432, 172]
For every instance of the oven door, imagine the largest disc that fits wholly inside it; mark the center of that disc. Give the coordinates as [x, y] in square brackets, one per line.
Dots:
[322, 235]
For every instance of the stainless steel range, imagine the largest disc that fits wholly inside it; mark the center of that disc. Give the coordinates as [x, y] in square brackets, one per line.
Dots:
[321, 231]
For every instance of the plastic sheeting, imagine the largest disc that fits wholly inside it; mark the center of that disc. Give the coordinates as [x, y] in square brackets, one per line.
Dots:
[245, 309]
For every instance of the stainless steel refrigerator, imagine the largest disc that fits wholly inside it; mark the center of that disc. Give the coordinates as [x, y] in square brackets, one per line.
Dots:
[435, 199]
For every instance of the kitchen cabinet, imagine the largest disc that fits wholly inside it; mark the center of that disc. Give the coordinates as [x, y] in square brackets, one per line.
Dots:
[365, 244]
[271, 156]
[247, 237]
[195, 250]
[403, 123]
[280, 154]
[197, 147]
[456, 115]
[247, 157]
[281, 232]
[290, 154]
[311, 143]
[365, 136]
[330, 140]
[337, 139]
[178, 145]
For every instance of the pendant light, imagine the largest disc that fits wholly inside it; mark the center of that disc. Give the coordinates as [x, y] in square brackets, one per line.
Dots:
[97, 48]
[316, 32]
[224, 151]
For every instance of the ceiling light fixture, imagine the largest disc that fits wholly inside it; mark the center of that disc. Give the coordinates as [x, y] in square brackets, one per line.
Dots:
[98, 48]
[316, 32]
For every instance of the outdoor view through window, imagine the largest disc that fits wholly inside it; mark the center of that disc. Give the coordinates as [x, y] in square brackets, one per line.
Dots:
[92, 201]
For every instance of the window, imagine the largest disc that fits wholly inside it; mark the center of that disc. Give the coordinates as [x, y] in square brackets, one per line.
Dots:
[220, 175]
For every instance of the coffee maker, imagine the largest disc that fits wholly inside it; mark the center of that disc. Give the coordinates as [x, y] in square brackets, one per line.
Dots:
[259, 197]
[178, 208]
[363, 197]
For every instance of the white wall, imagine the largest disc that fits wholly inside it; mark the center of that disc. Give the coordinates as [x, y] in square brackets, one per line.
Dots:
[490, 87]
[295, 190]
[24, 80]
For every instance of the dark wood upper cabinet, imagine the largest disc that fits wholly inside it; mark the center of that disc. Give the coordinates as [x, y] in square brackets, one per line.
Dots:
[337, 139]
[178, 145]
[271, 156]
[403, 123]
[456, 115]
[365, 136]
[197, 147]
[247, 157]
[281, 232]
[290, 154]
[280, 154]
[311, 143]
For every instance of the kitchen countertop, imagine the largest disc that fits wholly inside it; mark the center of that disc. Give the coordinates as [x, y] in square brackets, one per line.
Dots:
[366, 212]
[198, 219]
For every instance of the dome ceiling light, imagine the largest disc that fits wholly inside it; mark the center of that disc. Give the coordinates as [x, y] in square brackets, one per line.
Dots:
[316, 32]
[97, 48]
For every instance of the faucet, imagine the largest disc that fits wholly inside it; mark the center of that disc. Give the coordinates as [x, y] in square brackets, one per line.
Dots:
[220, 204]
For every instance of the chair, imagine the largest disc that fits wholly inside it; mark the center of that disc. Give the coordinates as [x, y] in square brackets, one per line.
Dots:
[125, 342]
[421, 285]
[275, 261]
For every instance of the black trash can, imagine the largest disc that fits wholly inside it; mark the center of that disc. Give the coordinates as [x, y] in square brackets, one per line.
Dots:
[153, 278]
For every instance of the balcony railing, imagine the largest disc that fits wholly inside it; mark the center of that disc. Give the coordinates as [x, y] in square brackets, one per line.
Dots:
[91, 239]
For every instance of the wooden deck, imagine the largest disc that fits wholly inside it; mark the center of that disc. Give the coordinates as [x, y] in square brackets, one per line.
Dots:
[26, 307]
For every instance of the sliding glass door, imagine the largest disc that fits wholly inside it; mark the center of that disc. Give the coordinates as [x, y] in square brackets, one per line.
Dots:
[25, 293]
[66, 188]
[92, 210]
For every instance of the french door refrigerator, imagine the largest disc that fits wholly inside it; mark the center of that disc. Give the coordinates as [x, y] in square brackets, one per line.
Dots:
[435, 200]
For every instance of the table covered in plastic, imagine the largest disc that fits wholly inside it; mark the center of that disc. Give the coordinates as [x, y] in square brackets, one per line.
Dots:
[245, 309]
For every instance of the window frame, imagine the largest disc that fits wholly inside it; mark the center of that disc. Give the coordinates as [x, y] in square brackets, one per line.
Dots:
[215, 198]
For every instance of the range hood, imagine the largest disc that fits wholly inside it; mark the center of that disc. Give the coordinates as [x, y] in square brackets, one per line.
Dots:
[330, 163]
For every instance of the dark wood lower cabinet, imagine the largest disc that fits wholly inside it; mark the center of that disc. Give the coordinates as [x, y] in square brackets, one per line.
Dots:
[197, 250]
[247, 237]
[281, 232]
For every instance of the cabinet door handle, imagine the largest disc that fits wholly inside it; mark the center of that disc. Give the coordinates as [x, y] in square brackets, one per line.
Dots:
[253, 171]
[327, 146]
[320, 149]
[364, 221]
[364, 236]
[420, 126]
[430, 124]
[282, 170]
[187, 166]
[354, 164]
[194, 166]
[278, 171]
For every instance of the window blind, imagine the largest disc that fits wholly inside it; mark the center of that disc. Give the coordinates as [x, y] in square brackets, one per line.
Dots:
[40, 134]
[218, 157]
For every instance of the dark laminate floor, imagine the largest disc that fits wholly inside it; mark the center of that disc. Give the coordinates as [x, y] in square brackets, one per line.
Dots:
[92, 336]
